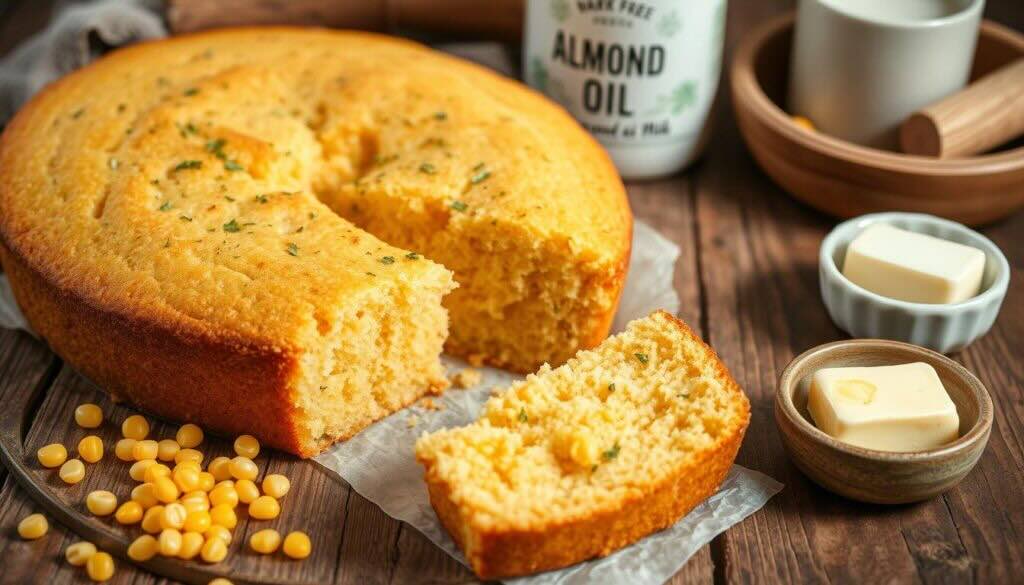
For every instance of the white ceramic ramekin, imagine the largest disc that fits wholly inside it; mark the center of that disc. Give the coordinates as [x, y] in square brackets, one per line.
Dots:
[943, 328]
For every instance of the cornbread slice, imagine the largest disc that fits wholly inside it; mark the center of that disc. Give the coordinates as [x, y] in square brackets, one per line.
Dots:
[169, 221]
[584, 459]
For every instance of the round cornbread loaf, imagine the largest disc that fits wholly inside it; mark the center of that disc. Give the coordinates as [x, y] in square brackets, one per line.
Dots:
[254, 229]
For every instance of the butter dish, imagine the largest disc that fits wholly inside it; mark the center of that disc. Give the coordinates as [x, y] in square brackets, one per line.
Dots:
[942, 327]
[871, 475]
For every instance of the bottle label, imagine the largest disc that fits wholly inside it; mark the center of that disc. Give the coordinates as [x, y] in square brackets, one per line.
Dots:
[633, 73]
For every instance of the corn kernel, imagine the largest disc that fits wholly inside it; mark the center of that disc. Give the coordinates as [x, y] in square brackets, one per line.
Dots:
[165, 489]
[91, 448]
[264, 508]
[88, 416]
[804, 123]
[220, 469]
[173, 516]
[145, 495]
[276, 485]
[188, 455]
[33, 526]
[265, 541]
[224, 515]
[206, 481]
[195, 501]
[169, 542]
[188, 464]
[130, 512]
[214, 550]
[220, 581]
[191, 544]
[143, 548]
[138, 469]
[243, 468]
[73, 471]
[135, 427]
[151, 519]
[247, 446]
[123, 449]
[198, 521]
[224, 493]
[52, 455]
[187, 479]
[78, 554]
[167, 449]
[297, 545]
[247, 491]
[218, 531]
[189, 436]
[100, 566]
[145, 449]
[101, 502]
[155, 471]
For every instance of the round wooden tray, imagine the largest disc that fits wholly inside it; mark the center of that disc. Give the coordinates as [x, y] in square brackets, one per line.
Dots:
[40, 394]
[846, 180]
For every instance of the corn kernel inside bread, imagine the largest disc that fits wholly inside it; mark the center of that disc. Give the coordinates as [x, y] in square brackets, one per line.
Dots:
[580, 460]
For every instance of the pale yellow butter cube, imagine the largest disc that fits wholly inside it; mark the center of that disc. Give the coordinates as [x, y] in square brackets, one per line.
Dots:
[888, 408]
[913, 267]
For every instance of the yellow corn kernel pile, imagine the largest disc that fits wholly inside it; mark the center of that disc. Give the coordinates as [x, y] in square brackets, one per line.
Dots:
[183, 510]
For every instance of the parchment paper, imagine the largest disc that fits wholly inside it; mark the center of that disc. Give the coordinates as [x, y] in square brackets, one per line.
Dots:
[380, 465]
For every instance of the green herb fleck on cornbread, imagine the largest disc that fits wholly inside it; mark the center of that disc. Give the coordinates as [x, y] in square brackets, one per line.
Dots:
[611, 387]
[387, 260]
[428, 169]
[191, 91]
[641, 357]
[611, 453]
[412, 256]
[232, 226]
[188, 164]
[459, 206]
[522, 415]
[292, 249]
[166, 206]
[233, 166]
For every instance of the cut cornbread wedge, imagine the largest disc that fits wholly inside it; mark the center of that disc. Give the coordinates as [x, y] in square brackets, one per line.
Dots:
[579, 461]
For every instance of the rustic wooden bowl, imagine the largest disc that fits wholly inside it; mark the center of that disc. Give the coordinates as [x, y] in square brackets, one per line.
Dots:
[845, 179]
[867, 475]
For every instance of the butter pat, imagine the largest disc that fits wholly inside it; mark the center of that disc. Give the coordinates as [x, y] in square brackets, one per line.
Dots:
[913, 267]
[888, 408]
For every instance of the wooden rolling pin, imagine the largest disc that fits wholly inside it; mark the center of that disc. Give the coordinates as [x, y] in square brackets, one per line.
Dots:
[989, 112]
[492, 20]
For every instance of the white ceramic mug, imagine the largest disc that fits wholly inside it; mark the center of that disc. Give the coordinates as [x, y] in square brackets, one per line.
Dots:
[860, 67]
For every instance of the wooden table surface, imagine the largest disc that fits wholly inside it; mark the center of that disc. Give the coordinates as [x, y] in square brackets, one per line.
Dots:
[748, 283]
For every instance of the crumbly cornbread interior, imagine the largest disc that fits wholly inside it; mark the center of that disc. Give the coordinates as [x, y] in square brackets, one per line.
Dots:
[604, 428]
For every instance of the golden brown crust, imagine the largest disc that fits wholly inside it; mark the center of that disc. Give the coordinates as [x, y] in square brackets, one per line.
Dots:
[175, 374]
[507, 553]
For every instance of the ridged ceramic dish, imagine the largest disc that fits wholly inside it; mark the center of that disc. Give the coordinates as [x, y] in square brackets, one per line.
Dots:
[867, 475]
[845, 179]
[944, 328]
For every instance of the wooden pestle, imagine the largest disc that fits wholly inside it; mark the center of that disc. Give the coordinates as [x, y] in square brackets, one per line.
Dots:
[985, 114]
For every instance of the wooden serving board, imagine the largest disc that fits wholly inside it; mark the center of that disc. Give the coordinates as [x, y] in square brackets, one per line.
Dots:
[39, 395]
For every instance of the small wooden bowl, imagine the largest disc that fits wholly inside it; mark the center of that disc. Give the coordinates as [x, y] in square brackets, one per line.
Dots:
[867, 475]
[845, 179]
